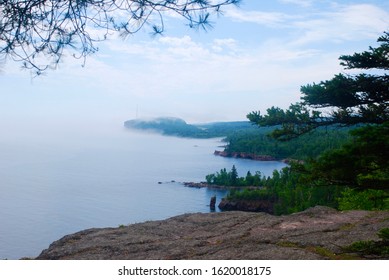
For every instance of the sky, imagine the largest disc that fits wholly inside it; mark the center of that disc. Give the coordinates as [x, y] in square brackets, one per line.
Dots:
[256, 56]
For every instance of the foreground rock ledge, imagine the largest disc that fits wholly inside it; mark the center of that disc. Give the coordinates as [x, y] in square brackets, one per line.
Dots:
[317, 233]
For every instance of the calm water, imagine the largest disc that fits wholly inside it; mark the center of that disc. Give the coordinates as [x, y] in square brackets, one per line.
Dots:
[52, 186]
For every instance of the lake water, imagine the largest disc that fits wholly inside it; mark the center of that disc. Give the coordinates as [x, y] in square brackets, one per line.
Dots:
[57, 185]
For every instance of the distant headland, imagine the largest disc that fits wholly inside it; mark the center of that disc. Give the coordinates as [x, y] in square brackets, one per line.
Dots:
[171, 126]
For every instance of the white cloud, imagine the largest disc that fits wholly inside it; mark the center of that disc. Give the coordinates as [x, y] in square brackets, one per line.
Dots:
[302, 3]
[184, 41]
[182, 47]
[271, 19]
[224, 44]
[335, 22]
[229, 73]
[346, 23]
[180, 71]
[365, 18]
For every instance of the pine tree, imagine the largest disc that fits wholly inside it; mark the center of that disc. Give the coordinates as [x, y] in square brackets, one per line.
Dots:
[352, 99]
[33, 30]
[360, 99]
[234, 176]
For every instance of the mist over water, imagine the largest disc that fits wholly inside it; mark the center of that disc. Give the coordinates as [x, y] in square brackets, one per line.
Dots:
[59, 181]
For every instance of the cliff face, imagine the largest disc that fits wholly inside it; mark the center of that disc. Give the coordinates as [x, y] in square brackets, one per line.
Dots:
[247, 205]
[317, 233]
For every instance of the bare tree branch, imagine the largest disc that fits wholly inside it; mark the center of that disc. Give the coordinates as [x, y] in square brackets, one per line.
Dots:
[36, 32]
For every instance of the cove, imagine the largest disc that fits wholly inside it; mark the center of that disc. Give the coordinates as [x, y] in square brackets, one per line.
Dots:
[56, 185]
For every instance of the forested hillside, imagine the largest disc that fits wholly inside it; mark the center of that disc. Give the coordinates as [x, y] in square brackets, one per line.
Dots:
[177, 127]
[342, 168]
[244, 137]
[310, 145]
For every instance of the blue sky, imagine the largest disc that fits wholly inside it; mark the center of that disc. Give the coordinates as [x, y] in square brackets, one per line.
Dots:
[256, 56]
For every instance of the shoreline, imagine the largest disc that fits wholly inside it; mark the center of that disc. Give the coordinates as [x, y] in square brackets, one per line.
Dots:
[200, 185]
[250, 156]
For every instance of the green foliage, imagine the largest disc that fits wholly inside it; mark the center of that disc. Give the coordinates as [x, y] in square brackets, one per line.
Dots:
[294, 121]
[352, 173]
[363, 200]
[370, 248]
[352, 99]
[359, 99]
[374, 58]
[384, 234]
[249, 194]
[293, 193]
[231, 178]
[286, 189]
[363, 163]
[309, 145]
[298, 187]
[340, 178]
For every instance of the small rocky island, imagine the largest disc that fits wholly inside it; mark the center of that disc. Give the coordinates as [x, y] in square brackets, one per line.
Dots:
[237, 205]
[316, 233]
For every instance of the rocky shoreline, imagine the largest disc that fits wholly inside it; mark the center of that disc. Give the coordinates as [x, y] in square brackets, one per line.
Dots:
[252, 156]
[317, 233]
[265, 206]
[244, 155]
[217, 187]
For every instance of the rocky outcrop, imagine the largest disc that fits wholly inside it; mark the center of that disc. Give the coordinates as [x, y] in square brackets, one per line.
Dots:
[317, 233]
[217, 187]
[245, 155]
[200, 185]
[266, 206]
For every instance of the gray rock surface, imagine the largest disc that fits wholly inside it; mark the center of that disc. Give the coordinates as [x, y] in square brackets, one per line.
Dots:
[317, 233]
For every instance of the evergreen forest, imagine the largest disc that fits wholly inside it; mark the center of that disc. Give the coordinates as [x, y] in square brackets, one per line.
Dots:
[341, 157]
[310, 145]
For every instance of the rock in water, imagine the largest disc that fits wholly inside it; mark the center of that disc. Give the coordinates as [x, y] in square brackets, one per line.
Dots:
[213, 203]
